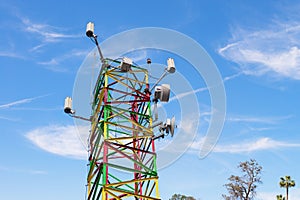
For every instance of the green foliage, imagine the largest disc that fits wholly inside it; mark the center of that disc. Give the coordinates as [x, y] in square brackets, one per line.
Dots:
[244, 187]
[286, 182]
[181, 197]
[279, 197]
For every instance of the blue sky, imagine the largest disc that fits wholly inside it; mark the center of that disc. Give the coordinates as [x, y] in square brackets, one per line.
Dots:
[254, 44]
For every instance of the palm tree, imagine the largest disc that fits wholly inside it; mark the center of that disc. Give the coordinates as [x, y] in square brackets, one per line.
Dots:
[279, 197]
[286, 182]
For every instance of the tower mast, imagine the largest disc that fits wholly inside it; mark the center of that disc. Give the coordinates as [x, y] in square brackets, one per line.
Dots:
[121, 144]
[121, 138]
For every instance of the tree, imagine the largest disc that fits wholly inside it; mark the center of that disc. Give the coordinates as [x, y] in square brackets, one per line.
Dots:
[279, 197]
[244, 187]
[287, 182]
[181, 197]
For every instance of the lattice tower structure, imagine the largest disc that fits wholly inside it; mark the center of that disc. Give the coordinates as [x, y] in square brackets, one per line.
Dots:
[122, 157]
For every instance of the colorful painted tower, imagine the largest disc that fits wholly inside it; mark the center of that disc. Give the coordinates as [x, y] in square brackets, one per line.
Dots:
[122, 158]
[121, 144]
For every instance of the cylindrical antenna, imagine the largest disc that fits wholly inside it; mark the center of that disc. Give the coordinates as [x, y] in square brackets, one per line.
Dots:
[90, 29]
[68, 106]
[170, 69]
[90, 33]
[171, 65]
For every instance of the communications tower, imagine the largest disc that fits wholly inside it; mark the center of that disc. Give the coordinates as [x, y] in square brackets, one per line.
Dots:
[122, 155]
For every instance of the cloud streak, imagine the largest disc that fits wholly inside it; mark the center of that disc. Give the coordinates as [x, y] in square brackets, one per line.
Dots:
[262, 120]
[184, 94]
[8, 119]
[19, 102]
[47, 32]
[203, 89]
[271, 51]
[11, 55]
[264, 143]
[54, 64]
[261, 144]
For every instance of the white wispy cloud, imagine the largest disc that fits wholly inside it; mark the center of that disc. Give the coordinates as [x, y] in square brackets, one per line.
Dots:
[8, 119]
[66, 141]
[26, 171]
[11, 54]
[203, 89]
[19, 102]
[253, 119]
[260, 144]
[69, 55]
[22, 101]
[228, 78]
[273, 50]
[37, 48]
[60, 140]
[181, 95]
[9, 49]
[47, 32]
[38, 108]
[260, 128]
[53, 61]
[54, 64]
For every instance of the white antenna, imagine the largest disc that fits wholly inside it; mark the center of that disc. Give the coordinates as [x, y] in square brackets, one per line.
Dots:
[68, 106]
[171, 65]
[125, 65]
[170, 69]
[162, 92]
[90, 29]
[166, 128]
[68, 109]
[90, 33]
[172, 126]
[169, 126]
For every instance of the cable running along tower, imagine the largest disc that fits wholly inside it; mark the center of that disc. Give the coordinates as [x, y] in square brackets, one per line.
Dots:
[122, 157]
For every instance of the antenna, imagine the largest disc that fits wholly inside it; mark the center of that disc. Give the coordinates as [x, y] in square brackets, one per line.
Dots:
[171, 65]
[168, 70]
[68, 109]
[68, 106]
[90, 29]
[166, 128]
[90, 33]
[125, 64]
[162, 92]
[172, 126]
